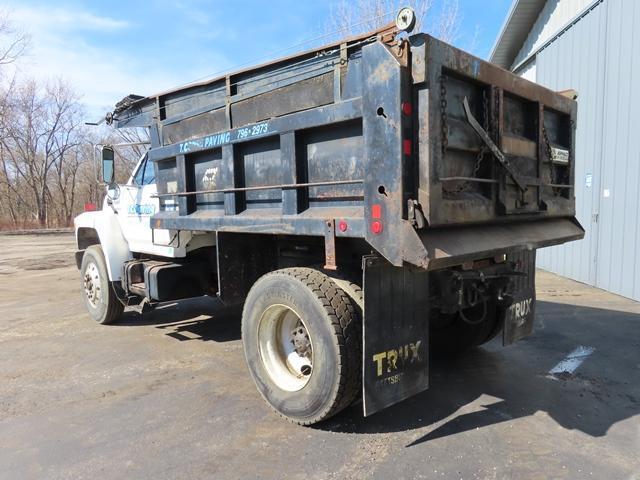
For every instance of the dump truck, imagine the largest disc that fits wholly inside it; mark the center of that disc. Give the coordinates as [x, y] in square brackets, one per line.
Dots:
[367, 203]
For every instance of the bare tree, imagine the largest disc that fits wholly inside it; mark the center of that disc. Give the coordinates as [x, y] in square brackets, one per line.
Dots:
[447, 23]
[8, 191]
[351, 17]
[66, 179]
[129, 156]
[45, 159]
[39, 129]
[13, 42]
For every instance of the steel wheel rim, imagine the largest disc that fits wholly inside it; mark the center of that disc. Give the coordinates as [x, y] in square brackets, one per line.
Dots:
[91, 282]
[285, 347]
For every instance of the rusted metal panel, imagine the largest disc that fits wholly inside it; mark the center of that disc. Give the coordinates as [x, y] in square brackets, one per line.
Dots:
[382, 130]
[258, 164]
[330, 245]
[386, 132]
[334, 151]
[519, 147]
[207, 174]
[192, 100]
[194, 127]
[145, 111]
[311, 93]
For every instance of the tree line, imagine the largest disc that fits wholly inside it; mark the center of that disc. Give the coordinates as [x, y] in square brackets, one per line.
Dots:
[47, 169]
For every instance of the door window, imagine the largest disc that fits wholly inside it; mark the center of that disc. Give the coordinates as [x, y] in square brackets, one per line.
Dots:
[146, 173]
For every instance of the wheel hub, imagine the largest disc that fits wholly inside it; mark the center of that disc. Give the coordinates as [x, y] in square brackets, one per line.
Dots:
[92, 284]
[286, 348]
[300, 340]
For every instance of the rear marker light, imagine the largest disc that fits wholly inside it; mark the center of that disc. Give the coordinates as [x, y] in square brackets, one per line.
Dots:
[406, 108]
[343, 226]
[376, 227]
[406, 145]
[376, 211]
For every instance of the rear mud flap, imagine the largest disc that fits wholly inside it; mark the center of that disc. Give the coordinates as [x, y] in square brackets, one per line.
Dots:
[519, 312]
[519, 317]
[395, 333]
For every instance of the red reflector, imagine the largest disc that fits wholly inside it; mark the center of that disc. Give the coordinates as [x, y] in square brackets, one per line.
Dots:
[376, 211]
[406, 146]
[376, 227]
[406, 108]
[343, 226]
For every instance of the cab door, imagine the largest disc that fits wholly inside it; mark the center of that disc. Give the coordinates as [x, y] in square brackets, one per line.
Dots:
[136, 205]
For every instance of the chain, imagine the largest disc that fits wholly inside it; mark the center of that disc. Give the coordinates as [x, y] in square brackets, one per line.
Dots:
[547, 143]
[479, 159]
[443, 114]
[465, 186]
[496, 116]
[485, 110]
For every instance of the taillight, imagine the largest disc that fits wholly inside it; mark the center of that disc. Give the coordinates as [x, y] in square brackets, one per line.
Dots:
[406, 147]
[376, 227]
[376, 215]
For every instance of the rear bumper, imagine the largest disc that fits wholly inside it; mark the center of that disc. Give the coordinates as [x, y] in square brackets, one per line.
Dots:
[453, 246]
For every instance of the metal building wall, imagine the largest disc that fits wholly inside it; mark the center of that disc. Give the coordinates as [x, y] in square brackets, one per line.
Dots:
[528, 71]
[619, 226]
[553, 18]
[599, 57]
[576, 60]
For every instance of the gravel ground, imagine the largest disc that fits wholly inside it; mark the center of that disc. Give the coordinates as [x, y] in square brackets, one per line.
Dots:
[167, 395]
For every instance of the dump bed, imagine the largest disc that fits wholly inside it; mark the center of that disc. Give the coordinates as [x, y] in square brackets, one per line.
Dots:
[431, 155]
[533, 128]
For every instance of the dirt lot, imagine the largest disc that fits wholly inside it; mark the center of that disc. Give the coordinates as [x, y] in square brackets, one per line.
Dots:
[168, 395]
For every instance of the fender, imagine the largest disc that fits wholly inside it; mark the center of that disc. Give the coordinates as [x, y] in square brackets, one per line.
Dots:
[109, 234]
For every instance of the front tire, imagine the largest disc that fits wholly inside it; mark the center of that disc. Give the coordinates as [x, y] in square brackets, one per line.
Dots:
[98, 292]
[302, 337]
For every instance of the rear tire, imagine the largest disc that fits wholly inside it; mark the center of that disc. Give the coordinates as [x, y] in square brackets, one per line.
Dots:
[98, 292]
[302, 341]
[452, 335]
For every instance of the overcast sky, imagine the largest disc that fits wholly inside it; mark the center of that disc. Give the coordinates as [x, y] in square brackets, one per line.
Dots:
[108, 49]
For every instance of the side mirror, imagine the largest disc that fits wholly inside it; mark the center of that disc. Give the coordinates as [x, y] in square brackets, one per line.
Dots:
[108, 164]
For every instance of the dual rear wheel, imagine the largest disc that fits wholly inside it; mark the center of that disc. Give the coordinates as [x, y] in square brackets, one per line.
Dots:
[302, 336]
[456, 333]
[302, 340]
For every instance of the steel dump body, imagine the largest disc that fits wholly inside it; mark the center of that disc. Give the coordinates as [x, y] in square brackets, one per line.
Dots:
[370, 140]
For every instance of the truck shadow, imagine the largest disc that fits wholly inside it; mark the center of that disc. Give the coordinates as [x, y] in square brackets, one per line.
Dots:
[492, 385]
[203, 318]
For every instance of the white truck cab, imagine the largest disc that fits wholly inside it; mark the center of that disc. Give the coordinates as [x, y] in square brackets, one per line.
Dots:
[120, 233]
